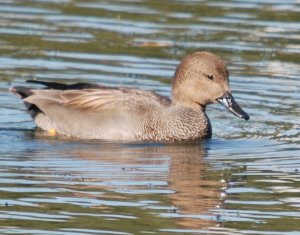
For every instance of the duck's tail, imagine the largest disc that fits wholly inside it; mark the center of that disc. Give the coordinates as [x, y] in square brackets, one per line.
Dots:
[23, 93]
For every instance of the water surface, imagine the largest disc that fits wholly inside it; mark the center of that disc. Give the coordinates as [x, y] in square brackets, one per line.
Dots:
[243, 181]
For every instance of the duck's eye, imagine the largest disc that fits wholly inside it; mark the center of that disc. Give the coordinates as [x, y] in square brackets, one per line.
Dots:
[210, 77]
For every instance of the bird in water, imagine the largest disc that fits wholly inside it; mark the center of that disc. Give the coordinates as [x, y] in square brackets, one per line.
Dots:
[92, 111]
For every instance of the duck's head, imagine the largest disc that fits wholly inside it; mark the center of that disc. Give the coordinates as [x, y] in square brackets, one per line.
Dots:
[201, 79]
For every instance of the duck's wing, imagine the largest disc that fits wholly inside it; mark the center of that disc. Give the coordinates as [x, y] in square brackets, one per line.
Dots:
[61, 86]
[97, 99]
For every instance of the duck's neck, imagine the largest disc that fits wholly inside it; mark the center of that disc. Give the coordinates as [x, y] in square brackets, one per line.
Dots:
[188, 104]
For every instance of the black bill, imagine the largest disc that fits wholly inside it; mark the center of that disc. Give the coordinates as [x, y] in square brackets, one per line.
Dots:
[228, 102]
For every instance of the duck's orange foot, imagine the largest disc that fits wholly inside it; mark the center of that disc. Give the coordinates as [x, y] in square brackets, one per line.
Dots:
[52, 132]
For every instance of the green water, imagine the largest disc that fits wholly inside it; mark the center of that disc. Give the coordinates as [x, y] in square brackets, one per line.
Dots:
[243, 181]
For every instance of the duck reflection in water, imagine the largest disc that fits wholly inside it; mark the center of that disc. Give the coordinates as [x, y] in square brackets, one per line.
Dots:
[190, 189]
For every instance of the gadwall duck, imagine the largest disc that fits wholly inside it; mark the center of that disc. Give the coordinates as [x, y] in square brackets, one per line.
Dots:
[91, 111]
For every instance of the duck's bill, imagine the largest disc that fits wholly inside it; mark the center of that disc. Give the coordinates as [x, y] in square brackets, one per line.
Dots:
[228, 102]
